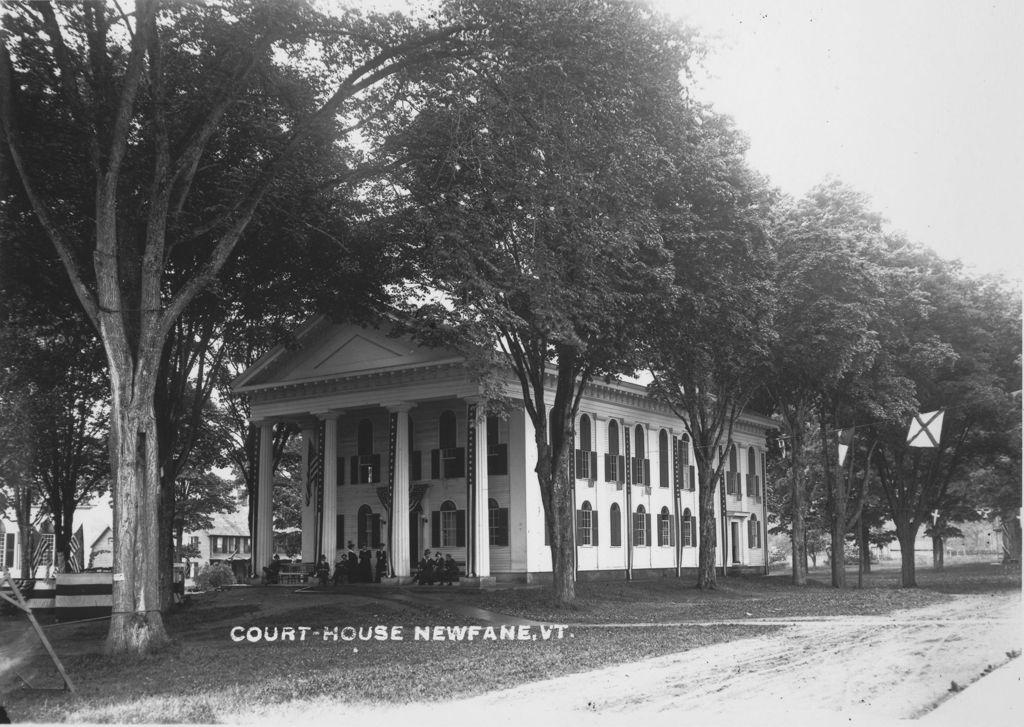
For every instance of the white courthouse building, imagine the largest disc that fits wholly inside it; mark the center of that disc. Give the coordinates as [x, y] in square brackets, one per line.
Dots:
[397, 451]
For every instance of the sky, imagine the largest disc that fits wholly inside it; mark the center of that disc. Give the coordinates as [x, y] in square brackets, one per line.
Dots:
[919, 105]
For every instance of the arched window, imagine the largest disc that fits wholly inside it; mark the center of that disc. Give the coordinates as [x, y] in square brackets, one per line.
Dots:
[639, 442]
[586, 525]
[497, 523]
[613, 464]
[368, 527]
[615, 525]
[663, 458]
[688, 529]
[751, 472]
[586, 459]
[731, 483]
[641, 465]
[641, 527]
[666, 533]
[686, 470]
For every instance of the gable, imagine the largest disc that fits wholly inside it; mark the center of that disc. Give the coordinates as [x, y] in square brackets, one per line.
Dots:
[335, 351]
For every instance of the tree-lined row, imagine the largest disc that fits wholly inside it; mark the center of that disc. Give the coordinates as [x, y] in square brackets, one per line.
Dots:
[206, 175]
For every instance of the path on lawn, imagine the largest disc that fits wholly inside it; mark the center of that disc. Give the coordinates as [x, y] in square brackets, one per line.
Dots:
[852, 668]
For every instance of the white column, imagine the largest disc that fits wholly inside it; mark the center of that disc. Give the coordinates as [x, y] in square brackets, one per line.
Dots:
[328, 541]
[265, 499]
[308, 506]
[399, 544]
[481, 532]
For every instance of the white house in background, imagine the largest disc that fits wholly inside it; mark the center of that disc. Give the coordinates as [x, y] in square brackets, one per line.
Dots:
[94, 517]
[397, 450]
[225, 541]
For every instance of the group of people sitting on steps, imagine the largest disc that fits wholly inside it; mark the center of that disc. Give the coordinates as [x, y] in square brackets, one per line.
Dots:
[443, 570]
[366, 567]
[352, 568]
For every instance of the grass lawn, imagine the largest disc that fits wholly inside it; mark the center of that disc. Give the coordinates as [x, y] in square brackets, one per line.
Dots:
[205, 674]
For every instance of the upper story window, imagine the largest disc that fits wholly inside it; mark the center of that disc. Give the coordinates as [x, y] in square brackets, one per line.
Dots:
[641, 465]
[663, 458]
[366, 464]
[448, 460]
[614, 465]
[497, 451]
[586, 457]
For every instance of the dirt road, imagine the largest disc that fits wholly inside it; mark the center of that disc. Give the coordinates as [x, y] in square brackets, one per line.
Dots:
[822, 671]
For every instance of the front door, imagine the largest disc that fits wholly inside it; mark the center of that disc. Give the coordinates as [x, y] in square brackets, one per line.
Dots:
[735, 542]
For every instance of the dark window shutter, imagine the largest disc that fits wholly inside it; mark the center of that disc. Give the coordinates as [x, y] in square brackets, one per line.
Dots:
[647, 472]
[609, 467]
[435, 464]
[460, 528]
[593, 465]
[354, 479]
[456, 466]
[671, 530]
[621, 469]
[578, 462]
[376, 471]
[593, 527]
[435, 528]
[415, 465]
[693, 477]
[615, 528]
[497, 459]
[502, 535]
[647, 526]
[579, 526]
[340, 473]
[375, 531]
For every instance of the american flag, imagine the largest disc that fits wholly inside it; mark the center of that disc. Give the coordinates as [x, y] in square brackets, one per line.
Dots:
[43, 554]
[77, 546]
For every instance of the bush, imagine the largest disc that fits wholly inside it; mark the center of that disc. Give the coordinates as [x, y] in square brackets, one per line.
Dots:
[214, 576]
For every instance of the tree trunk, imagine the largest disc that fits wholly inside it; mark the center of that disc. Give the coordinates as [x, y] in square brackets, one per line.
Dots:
[907, 535]
[136, 624]
[560, 520]
[166, 544]
[706, 571]
[838, 555]
[865, 548]
[938, 552]
[799, 531]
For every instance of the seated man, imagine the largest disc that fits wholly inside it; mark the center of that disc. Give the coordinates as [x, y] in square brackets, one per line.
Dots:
[323, 570]
[451, 569]
[271, 573]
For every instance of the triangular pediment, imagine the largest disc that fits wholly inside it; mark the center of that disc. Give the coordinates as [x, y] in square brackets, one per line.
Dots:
[338, 350]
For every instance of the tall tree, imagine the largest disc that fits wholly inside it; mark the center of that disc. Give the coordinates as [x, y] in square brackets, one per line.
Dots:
[708, 349]
[533, 168]
[828, 293]
[137, 106]
[959, 351]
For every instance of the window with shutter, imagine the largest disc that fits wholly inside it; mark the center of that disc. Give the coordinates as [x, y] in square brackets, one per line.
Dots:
[615, 526]
[663, 458]
[584, 524]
